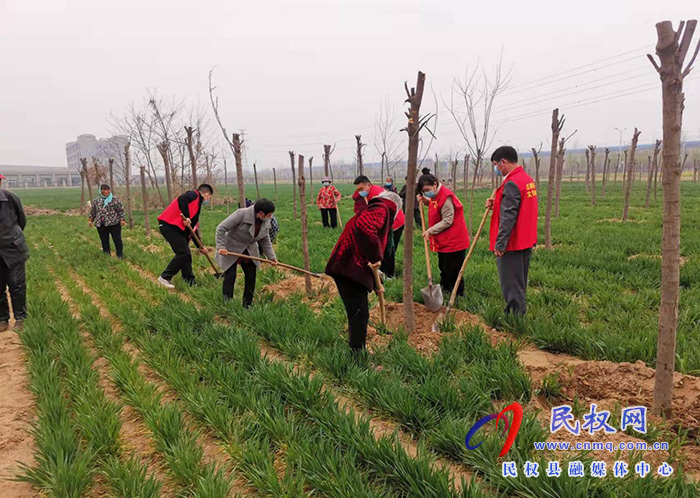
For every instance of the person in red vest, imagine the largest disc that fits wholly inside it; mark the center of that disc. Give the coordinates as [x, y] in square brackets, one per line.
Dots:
[173, 222]
[447, 232]
[327, 202]
[513, 231]
[364, 192]
[361, 244]
[389, 260]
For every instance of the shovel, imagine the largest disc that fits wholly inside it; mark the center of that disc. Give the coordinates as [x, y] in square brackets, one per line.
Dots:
[432, 295]
[453, 297]
[217, 273]
[337, 212]
[380, 292]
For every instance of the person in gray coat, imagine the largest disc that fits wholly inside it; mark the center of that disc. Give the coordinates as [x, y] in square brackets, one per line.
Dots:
[243, 232]
[13, 256]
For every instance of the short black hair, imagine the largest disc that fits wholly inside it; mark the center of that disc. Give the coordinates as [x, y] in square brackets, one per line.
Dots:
[361, 179]
[426, 180]
[505, 152]
[264, 205]
[205, 187]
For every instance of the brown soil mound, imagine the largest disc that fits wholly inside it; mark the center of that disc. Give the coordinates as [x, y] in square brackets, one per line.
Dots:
[35, 211]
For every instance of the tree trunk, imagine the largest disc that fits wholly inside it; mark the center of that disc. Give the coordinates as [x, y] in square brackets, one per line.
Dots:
[311, 172]
[381, 172]
[606, 163]
[477, 167]
[294, 182]
[110, 161]
[127, 179]
[164, 153]
[617, 168]
[82, 192]
[326, 160]
[630, 173]
[588, 170]
[193, 161]
[557, 124]
[304, 225]
[672, 56]
[436, 167]
[236, 140]
[466, 177]
[650, 177]
[360, 166]
[560, 172]
[274, 178]
[536, 156]
[83, 160]
[455, 163]
[695, 171]
[144, 193]
[415, 97]
[592, 149]
[255, 174]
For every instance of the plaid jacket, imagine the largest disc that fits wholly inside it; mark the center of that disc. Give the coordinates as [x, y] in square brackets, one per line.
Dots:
[363, 241]
[106, 216]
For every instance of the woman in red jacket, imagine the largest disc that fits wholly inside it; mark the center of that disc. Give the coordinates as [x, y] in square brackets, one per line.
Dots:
[327, 201]
[448, 234]
[360, 247]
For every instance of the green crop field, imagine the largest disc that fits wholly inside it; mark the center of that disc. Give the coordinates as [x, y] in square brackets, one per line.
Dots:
[141, 391]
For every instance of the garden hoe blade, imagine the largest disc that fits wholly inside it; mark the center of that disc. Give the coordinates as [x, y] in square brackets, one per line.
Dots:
[432, 297]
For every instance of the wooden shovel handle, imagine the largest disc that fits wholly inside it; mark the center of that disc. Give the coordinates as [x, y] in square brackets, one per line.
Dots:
[283, 265]
[199, 243]
[380, 293]
[425, 245]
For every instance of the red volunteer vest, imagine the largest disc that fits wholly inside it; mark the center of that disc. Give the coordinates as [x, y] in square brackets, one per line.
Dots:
[456, 237]
[524, 234]
[171, 214]
[360, 204]
[399, 221]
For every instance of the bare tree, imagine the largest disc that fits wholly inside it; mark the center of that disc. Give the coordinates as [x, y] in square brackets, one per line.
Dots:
[672, 55]
[274, 178]
[110, 161]
[536, 156]
[561, 159]
[557, 125]
[327, 151]
[86, 175]
[189, 142]
[311, 174]
[387, 141]
[294, 183]
[255, 173]
[588, 169]
[592, 148]
[164, 151]
[630, 173]
[360, 145]
[466, 176]
[304, 225]
[127, 177]
[236, 144]
[415, 123]
[606, 164]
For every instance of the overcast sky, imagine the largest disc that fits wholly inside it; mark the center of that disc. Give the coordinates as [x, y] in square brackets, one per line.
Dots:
[297, 74]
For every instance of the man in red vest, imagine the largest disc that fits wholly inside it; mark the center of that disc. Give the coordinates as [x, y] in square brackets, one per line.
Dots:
[364, 192]
[513, 227]
[173, 222]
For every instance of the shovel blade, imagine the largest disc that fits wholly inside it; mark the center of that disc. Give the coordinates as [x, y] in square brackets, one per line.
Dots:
[432, 297]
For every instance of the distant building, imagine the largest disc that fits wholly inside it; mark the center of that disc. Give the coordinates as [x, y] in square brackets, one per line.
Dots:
[88, 146]
[38, 176]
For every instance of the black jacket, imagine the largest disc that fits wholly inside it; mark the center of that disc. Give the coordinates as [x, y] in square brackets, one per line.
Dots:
[13, 248]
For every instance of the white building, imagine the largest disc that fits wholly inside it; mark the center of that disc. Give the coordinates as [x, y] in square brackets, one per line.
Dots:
[88, 146]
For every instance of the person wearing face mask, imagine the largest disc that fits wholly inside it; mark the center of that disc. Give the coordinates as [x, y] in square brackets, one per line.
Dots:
[244, 232]
[362, 243]
[327, 201]
[107, 215]
[182, 212]
[389, 185]
[364, 192]
[513, 231]
[447, 233]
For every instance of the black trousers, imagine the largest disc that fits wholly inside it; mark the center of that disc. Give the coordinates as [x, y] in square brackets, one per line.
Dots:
[180, 244]
[116, 232]
[333, 214]
[450, 263]
[356, 300]
[513, 268]
[14, 279]
[249, 272]
[416, 218]
[388, 266]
